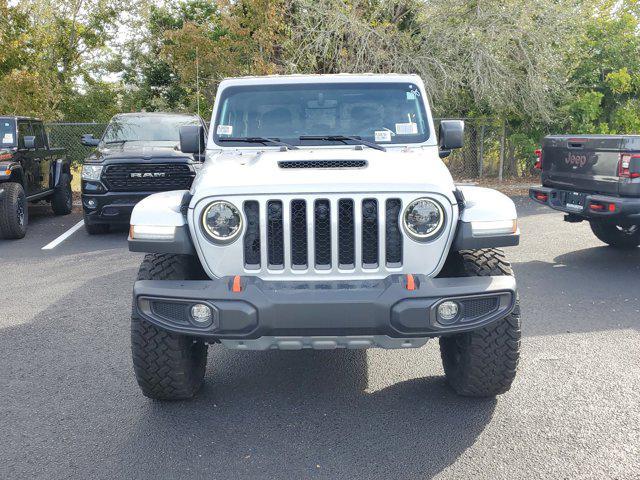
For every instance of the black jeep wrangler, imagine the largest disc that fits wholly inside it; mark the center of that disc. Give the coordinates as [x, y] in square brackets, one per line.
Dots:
[30, 171]
[138, 155]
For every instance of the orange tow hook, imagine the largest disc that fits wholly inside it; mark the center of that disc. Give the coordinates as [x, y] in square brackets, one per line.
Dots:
[411, 282]
[236, 287]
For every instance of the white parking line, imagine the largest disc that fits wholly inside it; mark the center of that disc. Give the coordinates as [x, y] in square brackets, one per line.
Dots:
[64, 236]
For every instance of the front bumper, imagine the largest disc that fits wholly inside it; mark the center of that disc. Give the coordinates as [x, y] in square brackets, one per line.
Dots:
[110, 207]
[271, 314]
[624, 208]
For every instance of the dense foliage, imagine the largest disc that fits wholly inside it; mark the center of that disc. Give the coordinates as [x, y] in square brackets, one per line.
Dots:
[536, 65]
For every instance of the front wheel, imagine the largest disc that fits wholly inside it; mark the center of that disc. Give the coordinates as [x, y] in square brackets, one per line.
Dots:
[13, 211]
[617, 236]
[167, 366]
[483, 362]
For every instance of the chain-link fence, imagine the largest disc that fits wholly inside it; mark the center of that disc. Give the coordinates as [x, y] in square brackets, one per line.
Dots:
[68, 135]
[488, 150]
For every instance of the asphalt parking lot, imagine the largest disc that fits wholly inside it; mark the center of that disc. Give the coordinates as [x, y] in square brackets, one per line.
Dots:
[70, 407]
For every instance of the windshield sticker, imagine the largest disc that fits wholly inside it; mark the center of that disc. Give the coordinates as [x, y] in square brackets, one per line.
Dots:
[8, 138]
[382, 136]
[411, 95]
[406, 128]
[224, 129]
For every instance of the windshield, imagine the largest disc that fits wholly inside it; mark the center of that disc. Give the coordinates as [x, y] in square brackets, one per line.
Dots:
[149, 128]
[7, 133]
[385, 113]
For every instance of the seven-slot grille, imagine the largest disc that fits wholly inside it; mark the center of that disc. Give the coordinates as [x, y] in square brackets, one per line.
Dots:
[147, 177]
[323, 234]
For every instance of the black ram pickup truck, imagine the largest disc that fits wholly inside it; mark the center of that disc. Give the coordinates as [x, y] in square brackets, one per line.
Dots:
[594, 178]
[30, 171]
[138, 155]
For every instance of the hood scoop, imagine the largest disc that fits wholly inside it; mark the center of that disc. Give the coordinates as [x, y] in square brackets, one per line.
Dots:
[326, 164]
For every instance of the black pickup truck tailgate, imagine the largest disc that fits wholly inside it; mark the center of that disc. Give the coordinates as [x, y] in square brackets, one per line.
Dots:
[585, 162]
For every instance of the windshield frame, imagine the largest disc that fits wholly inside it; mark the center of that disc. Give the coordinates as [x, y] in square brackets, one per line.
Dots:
[195, 119]
[428, 138]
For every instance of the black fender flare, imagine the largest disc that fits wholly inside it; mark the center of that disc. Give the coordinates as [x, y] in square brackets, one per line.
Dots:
[17, 174]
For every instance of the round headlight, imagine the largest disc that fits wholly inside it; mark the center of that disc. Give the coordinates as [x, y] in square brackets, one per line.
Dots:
[423, 218]
[222, 221]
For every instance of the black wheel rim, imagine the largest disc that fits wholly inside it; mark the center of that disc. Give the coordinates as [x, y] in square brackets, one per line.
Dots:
[628, 230]
[20, 212]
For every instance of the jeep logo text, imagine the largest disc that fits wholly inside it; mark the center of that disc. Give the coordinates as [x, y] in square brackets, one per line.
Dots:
[576, 160]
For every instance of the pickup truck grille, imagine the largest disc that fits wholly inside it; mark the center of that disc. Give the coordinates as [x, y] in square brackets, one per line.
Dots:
[147, 177]
[321, 234]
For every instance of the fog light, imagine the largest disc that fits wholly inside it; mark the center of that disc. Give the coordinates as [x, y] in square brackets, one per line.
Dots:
[447, 311]
[91, 203]
[201, 314]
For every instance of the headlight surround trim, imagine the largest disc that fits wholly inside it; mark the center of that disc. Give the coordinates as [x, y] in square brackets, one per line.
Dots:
[431, 234]
[210, 235]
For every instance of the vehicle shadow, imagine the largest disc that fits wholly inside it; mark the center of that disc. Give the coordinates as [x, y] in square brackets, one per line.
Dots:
[73, 409]
[590, 290]
[310, 414]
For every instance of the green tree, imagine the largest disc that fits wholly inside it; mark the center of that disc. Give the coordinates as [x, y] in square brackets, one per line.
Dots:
[152, 83]
[605, 73]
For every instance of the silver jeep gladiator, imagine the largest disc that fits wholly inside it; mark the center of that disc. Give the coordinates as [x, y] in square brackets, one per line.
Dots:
[324, 217]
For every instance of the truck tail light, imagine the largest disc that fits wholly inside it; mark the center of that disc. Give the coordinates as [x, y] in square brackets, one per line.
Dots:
[602, 207]
[538, 164]
[625, 165]
[543, 197]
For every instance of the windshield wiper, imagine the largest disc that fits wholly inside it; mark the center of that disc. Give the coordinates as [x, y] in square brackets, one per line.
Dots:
[116, 141]
[344, 138]
[263, 140]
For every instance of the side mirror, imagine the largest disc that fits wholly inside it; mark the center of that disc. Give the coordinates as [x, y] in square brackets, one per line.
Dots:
[29, 142]
[88, 141]
[192, 139]
[451, 135]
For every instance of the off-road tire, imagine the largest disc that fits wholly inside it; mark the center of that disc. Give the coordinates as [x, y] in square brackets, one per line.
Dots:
[62, 200]
[167, 366]
[95, 228]
[615, 235]
[483, 362]
[13, 211]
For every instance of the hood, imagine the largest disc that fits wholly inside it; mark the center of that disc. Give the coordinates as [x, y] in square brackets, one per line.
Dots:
[138, 150]
[396, 170]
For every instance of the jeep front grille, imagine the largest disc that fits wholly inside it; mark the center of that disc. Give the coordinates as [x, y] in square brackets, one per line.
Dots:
[147, 177]
[323, 234]
[393, 234]
[346, 234]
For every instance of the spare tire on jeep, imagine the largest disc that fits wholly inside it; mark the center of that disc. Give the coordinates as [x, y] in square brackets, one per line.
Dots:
[13, 211]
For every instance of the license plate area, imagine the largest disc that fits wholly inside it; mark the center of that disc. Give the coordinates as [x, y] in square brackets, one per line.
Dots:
[573, 201]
